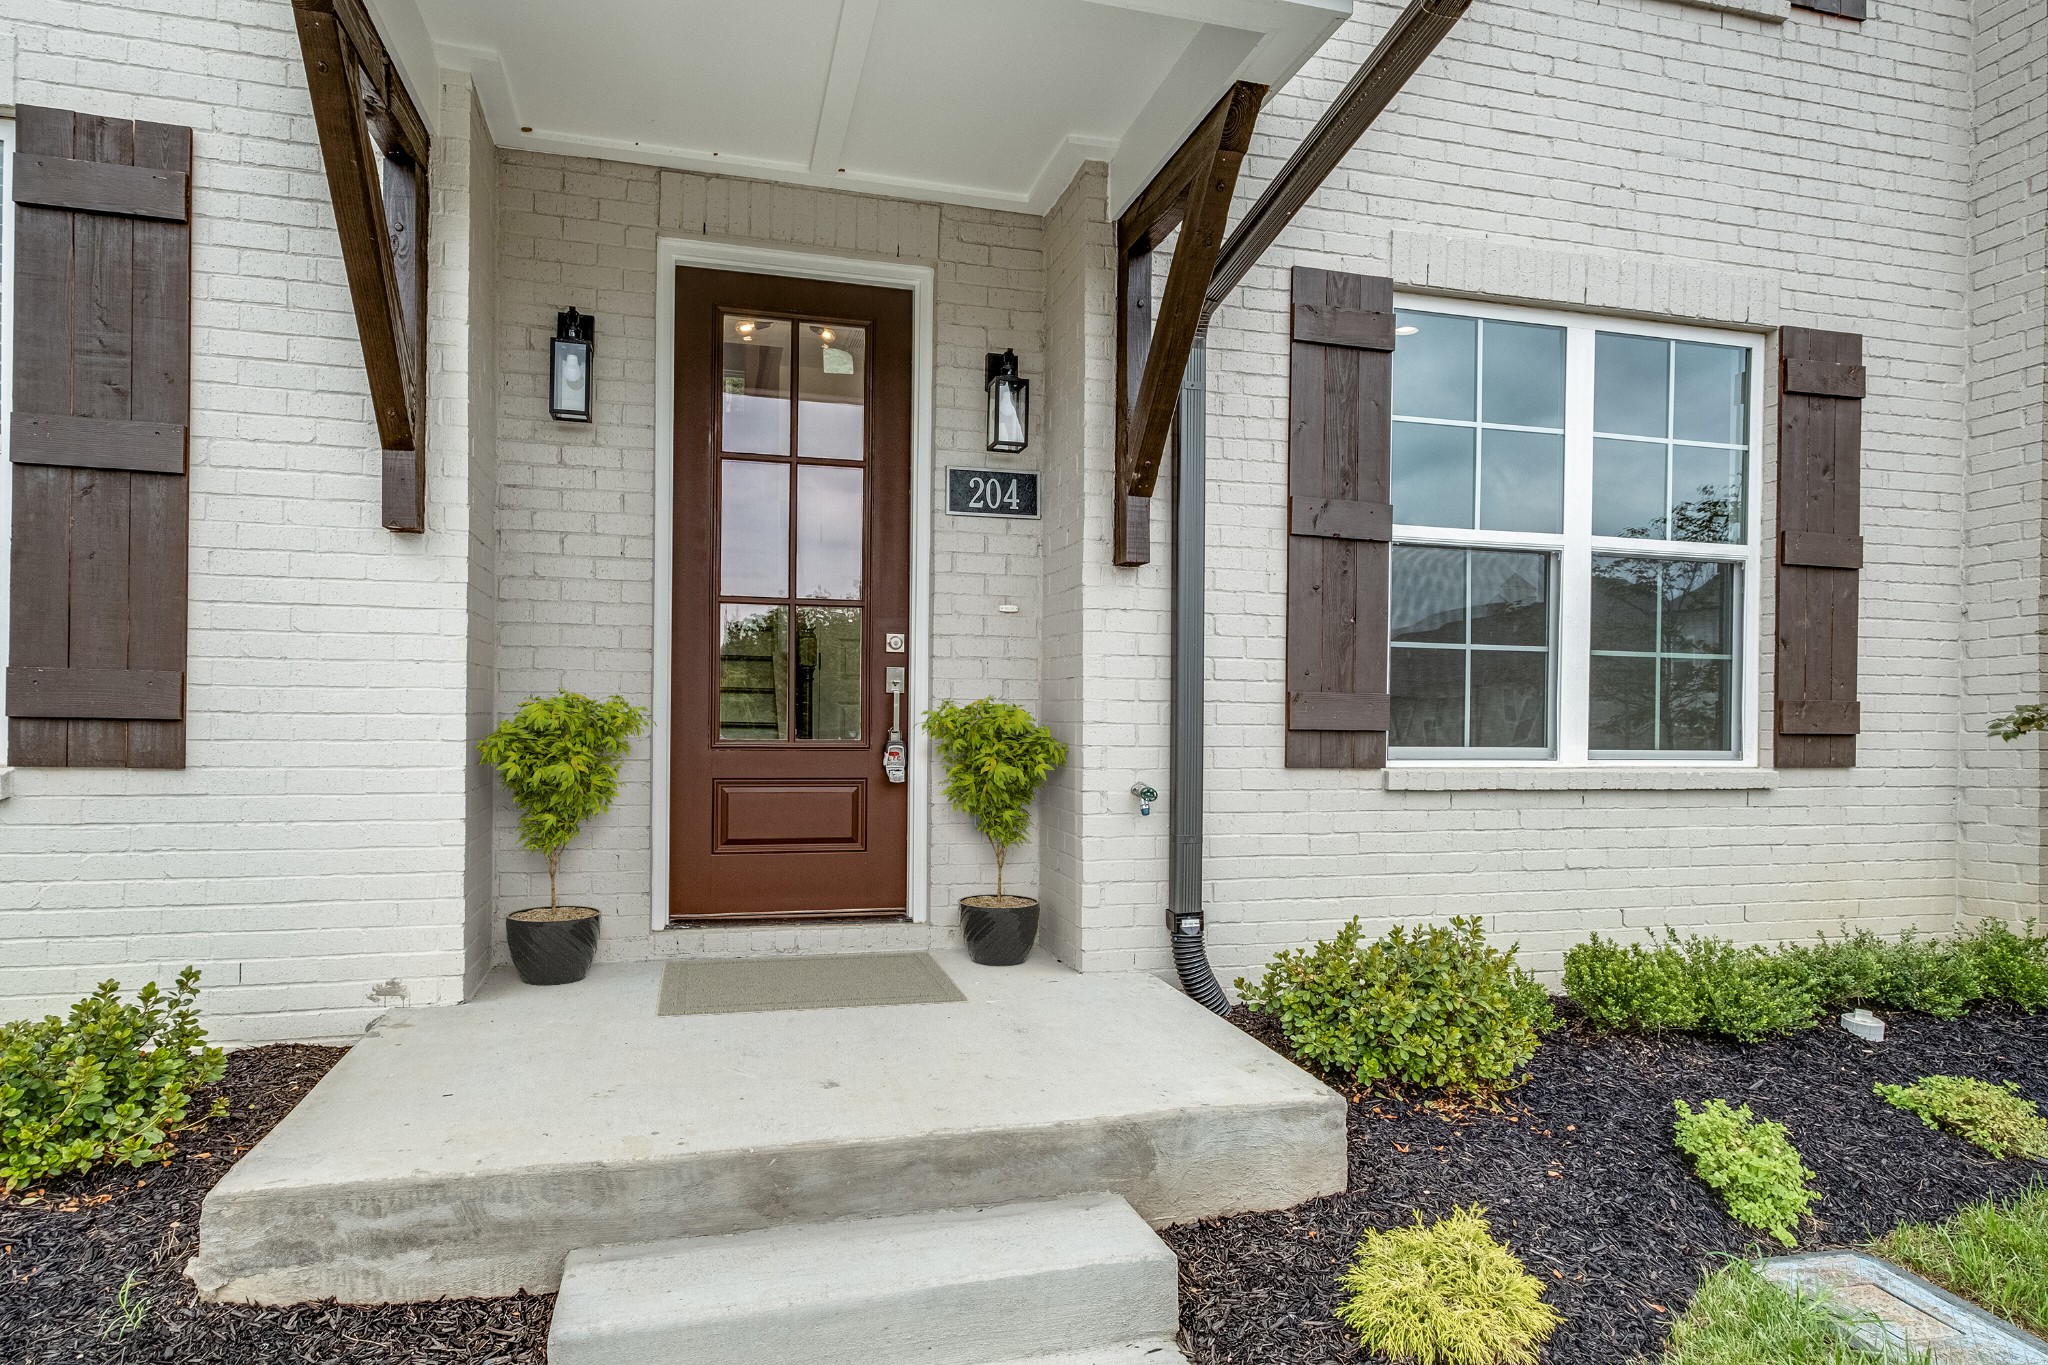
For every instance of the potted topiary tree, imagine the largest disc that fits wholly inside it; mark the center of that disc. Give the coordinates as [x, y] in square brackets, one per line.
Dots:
[559, 758]
[996, 757]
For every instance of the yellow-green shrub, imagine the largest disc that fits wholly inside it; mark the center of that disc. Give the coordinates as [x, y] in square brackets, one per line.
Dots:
[1445, 1294]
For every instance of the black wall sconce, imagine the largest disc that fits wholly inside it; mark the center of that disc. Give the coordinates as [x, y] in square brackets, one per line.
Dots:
[569, 380]
[1009, 405]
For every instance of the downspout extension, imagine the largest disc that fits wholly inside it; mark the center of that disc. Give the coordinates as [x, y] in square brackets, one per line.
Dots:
[1184, 918]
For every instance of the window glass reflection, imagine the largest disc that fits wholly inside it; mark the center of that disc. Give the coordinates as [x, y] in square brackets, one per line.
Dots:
[754, 405]
[831, 388]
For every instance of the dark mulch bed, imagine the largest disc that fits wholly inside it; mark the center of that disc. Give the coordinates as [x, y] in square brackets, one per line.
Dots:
[66, 1249]
[1579, 1176]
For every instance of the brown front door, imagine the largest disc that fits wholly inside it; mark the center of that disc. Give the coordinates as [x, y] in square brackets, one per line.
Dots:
[792, 596]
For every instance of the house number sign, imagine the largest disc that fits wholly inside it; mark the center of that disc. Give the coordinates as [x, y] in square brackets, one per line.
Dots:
[992, 492]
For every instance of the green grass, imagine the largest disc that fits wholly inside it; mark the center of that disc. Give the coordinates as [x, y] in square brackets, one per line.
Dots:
[1740, 1318]
[1994, 1254]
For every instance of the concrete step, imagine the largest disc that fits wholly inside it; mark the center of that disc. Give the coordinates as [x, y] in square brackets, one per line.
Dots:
[1080, 1279]
[466, 1150]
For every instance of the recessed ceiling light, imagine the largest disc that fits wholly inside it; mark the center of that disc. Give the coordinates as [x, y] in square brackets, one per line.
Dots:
[1406, 331]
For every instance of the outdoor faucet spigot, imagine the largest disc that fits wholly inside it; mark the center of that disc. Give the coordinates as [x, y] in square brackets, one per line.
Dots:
[1146, 796]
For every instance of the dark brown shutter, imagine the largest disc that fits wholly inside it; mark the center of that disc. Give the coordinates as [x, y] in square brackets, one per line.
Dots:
[1338, 520]
[1820, 545]
[1841, 9]
[102, 379]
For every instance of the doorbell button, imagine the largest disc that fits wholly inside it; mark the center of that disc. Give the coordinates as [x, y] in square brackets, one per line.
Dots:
[893, 643]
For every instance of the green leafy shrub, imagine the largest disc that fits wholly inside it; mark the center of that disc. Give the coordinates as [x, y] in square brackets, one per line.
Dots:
[1995, 1254]
[1994, 1117]
[1750, 1162]
[2011, 967]
[1445, 1294]
[1707, 984]
[559, 758]
[1751, 993]
[1633, 988]
[107, 1084]
[1432, 1006]
[996, 757]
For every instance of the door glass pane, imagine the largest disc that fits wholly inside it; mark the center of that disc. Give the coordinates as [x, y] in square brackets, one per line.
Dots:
[1432, 475]
[754, 411]
[1524, 381]
[828, 673]
[1631, 385]
[831, 392]
[1436, 366]
[753, 529]
[1521, 480]
[1628, 488]
[1710, 395]
[828, 532]
[753, 673]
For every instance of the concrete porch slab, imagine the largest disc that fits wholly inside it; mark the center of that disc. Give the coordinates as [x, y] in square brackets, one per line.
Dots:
[466, 1150]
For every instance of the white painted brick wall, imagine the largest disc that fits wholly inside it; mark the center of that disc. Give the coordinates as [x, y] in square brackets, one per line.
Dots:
[1659, 160]
[2000, 791]
[310, 858]
[324, 854]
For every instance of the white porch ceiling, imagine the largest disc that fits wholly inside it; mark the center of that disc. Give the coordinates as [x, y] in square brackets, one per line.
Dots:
[986, 102]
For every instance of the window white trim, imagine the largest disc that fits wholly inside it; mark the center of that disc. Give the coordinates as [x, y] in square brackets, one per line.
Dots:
[1571, 668]
[671, 252]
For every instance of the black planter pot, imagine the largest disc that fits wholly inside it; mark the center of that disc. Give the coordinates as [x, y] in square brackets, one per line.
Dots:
[999, 934]
[552, 952]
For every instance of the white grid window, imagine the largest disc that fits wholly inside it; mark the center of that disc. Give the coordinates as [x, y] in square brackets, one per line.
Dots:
[1575, 556]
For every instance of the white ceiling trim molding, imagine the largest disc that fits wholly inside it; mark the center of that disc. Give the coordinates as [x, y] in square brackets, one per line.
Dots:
[853, 111]
[493, 88]
[411, 49]
[842, 83]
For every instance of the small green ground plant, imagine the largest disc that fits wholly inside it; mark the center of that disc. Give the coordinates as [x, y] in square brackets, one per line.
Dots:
[559, 759]
[1994, 1117]
[1750, 1162]
[126, 1314]
[996, 756]
[1434, 1007]
[107, 1084]
[1444, 1294]
[1994, 1254]
[1751, 993]
[1737, 1317]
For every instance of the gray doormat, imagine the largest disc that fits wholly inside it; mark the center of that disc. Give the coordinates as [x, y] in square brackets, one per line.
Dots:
[750, 985]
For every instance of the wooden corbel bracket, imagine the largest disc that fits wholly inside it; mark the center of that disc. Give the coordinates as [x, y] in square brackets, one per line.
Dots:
[1191, 192]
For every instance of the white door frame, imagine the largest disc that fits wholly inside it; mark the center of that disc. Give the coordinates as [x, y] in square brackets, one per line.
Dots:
[671, 252]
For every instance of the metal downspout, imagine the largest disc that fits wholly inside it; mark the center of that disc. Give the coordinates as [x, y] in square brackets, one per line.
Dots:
[1190, 624]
